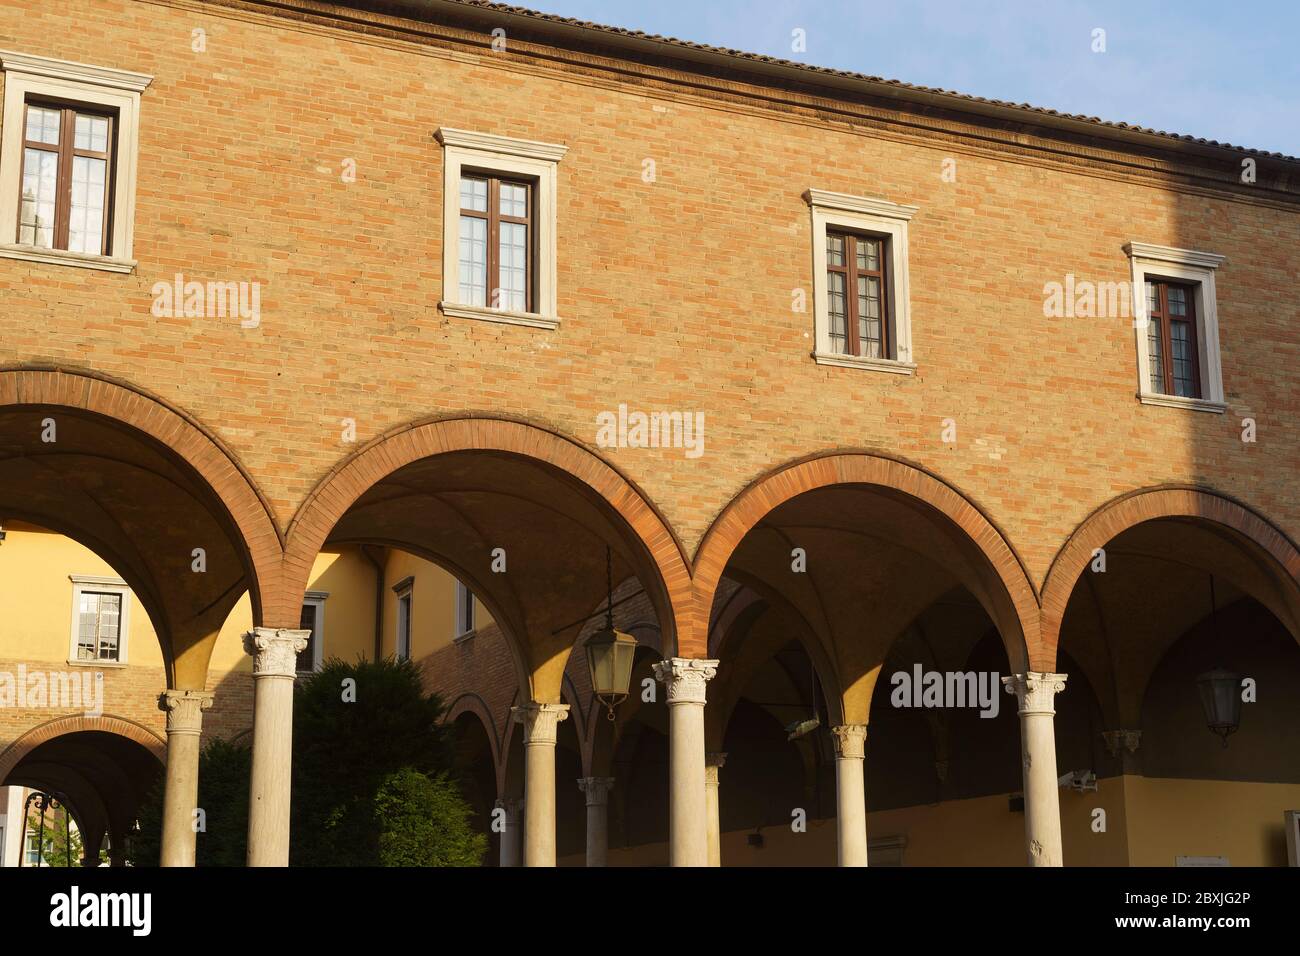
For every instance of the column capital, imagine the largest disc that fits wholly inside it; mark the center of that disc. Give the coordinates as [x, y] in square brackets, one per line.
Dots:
[541, 721]
[275, 650]
[685, 678]
[185, 710]
[597, 789]
[511, 805]
[714, 760]
[1035, 691]
[850, 741]
[1116, 740]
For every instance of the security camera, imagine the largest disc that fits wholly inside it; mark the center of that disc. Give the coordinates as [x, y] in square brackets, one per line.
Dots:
[1081, 781]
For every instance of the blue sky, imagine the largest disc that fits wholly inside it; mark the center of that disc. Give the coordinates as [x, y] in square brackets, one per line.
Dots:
[1223, 70]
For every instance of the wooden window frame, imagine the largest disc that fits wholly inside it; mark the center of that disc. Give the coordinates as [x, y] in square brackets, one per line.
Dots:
[317, 642]
[1166, 320]
[66, 151]
[494, 217]
[464, 609]
[851, 273]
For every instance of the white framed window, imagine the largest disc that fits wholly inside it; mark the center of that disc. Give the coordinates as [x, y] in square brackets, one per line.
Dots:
[499, 228]
[464, 625]
[402, 636]
[861, 299]
[69, 148]
[1176, 326]
[313, 619]
[101, 620]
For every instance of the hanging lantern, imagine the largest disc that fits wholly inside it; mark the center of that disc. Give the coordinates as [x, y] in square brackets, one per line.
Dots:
[1220, 688]
[610, 653]
[1221, 701]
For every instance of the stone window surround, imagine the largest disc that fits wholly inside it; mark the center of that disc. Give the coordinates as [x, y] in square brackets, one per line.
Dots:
[99, 583]
[317, 600]
[1196, 268]
[27, 75]
[531, 160]
[877, 217]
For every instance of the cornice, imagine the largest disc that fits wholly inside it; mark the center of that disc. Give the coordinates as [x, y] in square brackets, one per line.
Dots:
[965, 125]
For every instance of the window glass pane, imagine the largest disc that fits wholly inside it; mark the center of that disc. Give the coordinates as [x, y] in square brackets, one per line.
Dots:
[1155, 356]
[86, 220]
[110, 620]
[1153, 299]
[514, 266]
[837, 309]
[473, 194]
[1177, 300]
[1180, 345]
[42, 125]
[869, 254]
[473, 260]
[40, 181]
[91, 133]
[834, 249]
[869, 315]
[514, 200]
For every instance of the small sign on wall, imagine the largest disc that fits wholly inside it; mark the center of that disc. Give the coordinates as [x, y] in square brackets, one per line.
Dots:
[1201, 861]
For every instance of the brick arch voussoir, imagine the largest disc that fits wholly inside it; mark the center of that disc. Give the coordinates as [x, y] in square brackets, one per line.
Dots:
[788, 481]
[176, 430]
[1137, 507]
[76, 724]
[385, 454]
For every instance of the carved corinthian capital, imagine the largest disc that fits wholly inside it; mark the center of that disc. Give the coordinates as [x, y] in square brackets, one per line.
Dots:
[541, 721]
[185, 710]
[850, 741]
[275, 650]
[1035, 691]
[685, 678]
[597, 789]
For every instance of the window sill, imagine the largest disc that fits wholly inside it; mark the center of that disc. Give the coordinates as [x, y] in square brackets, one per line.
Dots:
[1176, 401]
[462, 638]
[533, 320]
[857, 361]
[74, 662]
[61, 257]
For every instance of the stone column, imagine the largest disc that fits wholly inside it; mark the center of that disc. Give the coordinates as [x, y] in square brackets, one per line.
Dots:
[181, 794]
[275, 656]
[541, 721]
[714, 761]
[685, 678]
[1035, 693]
[597, 791]
[850, 794]
[512, 835]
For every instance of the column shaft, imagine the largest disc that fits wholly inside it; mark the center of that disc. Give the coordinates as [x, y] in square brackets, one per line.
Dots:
[512, 835]
[688, 840]
[275, 655]
[850, 794]
[597, 791]
[181, 789]
[541, 722]
[713, 764]
[1035, 693]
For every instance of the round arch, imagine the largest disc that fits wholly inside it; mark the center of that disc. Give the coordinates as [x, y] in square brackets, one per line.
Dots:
[1152, 504]
[1017, 618]
[213, 479]
[660, 560]
[62, 726]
